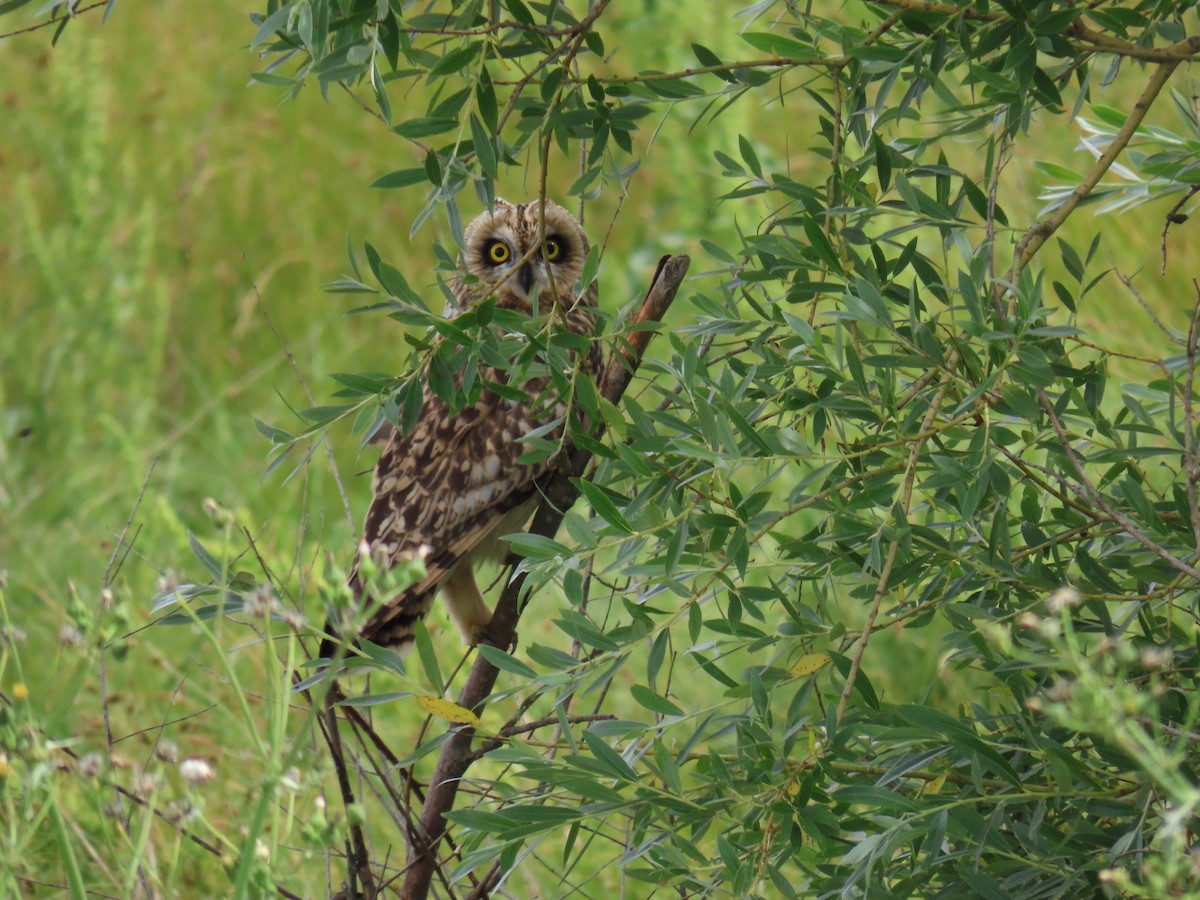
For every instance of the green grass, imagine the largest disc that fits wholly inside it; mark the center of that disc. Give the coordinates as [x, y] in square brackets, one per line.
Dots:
[163, 223]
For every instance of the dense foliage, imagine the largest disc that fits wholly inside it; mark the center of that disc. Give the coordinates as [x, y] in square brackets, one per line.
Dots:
[883, 418]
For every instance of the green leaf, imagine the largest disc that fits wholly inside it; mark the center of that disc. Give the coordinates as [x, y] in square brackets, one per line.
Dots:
[820, 244]
[779, 45]
[425, 127]
[271, 24]
[505, 662]
[271, 433]
[485, 102]
[485, 153]
[215, 568]
[428, 657]
[750, 157]
[656, 703]
[591, 267]
[535, 546]
[400, 178]
[455, 61]
[609, 758]
[603, 505]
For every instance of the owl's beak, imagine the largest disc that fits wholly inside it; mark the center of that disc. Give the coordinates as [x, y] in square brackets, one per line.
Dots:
[525, 278]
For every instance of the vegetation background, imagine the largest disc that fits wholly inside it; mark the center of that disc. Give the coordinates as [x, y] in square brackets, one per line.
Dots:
[167, 230]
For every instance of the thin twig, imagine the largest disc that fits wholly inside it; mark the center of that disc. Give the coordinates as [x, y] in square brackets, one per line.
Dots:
[1175, 217]
[358, 865]
[56, 20]
[1128, 282]
[1190, 454]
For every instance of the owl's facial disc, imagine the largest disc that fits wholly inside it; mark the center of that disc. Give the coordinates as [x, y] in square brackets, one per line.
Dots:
[531, 278]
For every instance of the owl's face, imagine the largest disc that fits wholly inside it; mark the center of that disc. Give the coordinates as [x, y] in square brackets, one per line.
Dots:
[499, 241]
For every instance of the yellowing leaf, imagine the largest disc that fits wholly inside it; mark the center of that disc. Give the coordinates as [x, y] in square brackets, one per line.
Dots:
[448, 710]
[935, 786]
[809, 663]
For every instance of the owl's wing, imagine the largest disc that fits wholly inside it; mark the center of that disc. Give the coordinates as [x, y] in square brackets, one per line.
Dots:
[448, 486]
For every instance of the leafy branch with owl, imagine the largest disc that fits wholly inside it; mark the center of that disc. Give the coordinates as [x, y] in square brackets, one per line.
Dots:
[871, 571]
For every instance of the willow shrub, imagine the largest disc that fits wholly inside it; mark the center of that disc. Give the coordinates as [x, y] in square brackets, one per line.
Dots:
[881, 421]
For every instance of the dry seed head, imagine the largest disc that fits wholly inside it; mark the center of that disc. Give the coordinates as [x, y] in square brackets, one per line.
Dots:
[177, 811]
[145, 784]
[1157, 657]
[1066, 596]
[196, 770]
[167, 582]
[90, 764]
[261, 602]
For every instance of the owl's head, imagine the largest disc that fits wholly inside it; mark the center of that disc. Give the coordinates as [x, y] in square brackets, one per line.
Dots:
[498, 242]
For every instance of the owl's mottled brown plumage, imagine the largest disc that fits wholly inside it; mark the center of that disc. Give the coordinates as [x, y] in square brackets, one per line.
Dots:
[453, 485]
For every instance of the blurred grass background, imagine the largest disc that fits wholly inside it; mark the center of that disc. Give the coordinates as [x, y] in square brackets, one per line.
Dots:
[157, 210]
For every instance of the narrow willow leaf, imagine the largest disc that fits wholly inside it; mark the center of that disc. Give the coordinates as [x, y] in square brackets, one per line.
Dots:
[447, 710]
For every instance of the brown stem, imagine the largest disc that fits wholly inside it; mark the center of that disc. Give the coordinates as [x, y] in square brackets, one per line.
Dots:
[1191, 451]
[358, 864]
[1174, 217]
[558, 493]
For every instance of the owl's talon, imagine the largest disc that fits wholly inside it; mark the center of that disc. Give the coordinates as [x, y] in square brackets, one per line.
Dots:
[478, 635]
[483, 636]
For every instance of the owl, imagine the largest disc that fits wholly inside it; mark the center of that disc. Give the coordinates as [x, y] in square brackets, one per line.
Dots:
[451, 487]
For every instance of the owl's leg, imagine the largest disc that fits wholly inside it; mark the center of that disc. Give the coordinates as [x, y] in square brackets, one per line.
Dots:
[465, 603]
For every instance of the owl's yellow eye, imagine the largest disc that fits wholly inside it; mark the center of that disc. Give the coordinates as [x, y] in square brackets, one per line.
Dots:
[498, 252]
[553, 249]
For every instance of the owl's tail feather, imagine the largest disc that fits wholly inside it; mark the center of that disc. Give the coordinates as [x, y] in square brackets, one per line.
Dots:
[393, 629]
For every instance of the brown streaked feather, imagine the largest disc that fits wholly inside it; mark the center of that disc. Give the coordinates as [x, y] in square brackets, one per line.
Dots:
[393, 625]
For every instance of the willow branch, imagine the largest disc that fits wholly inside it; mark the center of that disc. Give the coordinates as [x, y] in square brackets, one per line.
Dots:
[558, 494]
[1037, 235]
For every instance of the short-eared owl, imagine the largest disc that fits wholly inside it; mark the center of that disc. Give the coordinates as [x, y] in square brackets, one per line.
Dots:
[453, 485]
